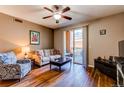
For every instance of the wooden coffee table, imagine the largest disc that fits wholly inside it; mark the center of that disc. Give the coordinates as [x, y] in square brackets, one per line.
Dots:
[60, 62]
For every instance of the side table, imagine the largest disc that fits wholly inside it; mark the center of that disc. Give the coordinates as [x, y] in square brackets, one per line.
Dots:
[32, 62]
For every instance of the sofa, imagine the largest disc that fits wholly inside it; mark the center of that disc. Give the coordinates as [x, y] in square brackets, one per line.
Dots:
[44, 56]
[11, 68]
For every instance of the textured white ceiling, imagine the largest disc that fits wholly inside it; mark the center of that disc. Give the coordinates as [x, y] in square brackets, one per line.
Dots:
[79, 13]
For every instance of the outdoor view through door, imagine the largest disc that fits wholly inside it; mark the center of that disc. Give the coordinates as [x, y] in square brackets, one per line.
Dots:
[78, 46]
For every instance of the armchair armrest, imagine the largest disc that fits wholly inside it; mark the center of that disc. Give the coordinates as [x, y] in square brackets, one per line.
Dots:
[9, 71]
[37, 57]
[23, 61]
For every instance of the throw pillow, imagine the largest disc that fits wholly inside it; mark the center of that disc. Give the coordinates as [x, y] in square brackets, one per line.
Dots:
[54, 52]
[47, 52]
[40, 53]
[13, 57]
[1, 62]
[58, 51]
[8, 58]
[51, 51]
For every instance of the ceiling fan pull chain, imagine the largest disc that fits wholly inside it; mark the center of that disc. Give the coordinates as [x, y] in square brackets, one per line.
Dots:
[57, 21]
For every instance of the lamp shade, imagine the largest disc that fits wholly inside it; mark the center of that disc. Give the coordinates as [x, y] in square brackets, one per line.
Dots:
[25, 49]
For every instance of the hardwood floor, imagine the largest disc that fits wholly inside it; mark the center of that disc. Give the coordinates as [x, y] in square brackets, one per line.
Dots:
[70, 76]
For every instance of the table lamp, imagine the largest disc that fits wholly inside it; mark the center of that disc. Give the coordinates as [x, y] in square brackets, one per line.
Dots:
[26, 50]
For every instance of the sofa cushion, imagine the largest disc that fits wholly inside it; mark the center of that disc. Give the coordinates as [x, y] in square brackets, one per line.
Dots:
[57, 56]
[52, 57]
[46, 58]
[47, 52]
[51, 51]
[8, 58]
[40, 53]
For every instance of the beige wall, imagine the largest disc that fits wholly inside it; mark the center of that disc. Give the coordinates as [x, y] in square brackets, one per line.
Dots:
[58, 40]
[105, 45]
[14, 34]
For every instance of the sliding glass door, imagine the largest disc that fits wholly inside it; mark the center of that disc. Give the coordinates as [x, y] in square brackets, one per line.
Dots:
[78, 46]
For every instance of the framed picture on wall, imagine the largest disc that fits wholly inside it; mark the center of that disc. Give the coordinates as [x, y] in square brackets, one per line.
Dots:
[34, 37]
[103, 32]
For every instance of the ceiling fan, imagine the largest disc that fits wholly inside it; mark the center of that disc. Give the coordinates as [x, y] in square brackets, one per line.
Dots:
[58, 12]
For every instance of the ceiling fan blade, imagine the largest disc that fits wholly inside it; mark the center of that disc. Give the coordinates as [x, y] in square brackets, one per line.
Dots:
[66, 9]
[47, 17]
[66, 17]
[56, 7]
[48, 9]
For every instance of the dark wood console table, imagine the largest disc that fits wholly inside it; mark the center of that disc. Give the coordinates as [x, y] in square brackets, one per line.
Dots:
[106, 67]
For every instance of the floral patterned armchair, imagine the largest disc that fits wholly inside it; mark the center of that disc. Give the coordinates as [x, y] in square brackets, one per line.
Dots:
[11, 68]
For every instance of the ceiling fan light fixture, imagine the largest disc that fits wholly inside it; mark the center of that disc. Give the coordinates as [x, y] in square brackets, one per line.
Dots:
[57, 16]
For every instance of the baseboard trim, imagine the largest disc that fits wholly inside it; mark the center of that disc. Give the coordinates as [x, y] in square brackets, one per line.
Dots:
[90, 66]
